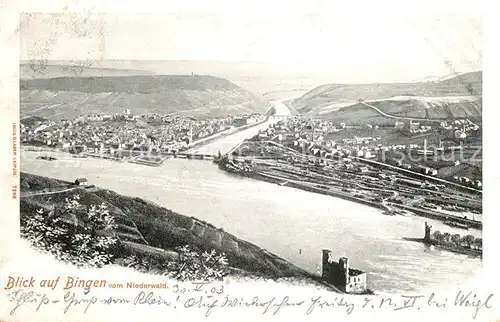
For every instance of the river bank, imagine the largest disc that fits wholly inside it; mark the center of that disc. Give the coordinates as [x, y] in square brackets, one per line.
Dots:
[318, 187]
[302, 186]
[453, 249]
[152, 159]
[221, 135]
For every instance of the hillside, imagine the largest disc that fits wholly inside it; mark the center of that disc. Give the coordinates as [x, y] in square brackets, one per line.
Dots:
[197, 96]
[458, 96]
[146, 229]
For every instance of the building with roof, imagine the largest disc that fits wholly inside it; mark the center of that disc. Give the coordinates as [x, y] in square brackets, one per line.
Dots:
[81, 182]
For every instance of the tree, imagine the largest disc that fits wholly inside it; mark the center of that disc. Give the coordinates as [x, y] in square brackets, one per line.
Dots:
[468, 240]
[446, 238]
[478, 242]
[46, 231]
[437, 236]
[90, 244]
[455, 239]
[73, 234]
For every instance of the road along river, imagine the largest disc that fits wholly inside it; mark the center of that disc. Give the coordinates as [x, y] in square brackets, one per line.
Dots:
[292, 223]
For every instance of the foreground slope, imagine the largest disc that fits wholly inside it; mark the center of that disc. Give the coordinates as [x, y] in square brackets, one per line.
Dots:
[455, 97]
[147, 229]
[188, 95]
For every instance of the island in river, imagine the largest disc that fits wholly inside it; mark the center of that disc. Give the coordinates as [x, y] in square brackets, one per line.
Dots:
[466, 245]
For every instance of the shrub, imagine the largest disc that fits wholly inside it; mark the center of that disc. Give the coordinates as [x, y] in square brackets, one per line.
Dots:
[140, 263]
[191, 266]
[80, 235]
[82, 244]
[45, 231]
[207, 266]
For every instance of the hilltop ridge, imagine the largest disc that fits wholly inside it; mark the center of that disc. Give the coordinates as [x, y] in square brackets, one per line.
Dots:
[186, 95]
[456, 96]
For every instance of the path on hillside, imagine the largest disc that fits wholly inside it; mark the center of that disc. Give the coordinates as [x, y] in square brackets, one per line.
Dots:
[44, 192]
[400, 117]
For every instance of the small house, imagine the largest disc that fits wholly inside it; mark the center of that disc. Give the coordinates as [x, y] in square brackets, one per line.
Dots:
[363, 169]
[81, 182]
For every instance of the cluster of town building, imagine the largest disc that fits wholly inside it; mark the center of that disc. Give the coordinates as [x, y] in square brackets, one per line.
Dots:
[457, 129]
[412, 127]
[460, 129]
[124, 131]
[468, 181]
[308, 136]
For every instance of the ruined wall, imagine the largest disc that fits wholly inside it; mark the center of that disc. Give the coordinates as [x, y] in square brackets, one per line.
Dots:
[333, 272]
[340, 275]
[427, 235]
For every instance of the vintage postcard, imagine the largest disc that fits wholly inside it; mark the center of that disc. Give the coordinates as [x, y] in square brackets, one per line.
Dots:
[253, 161]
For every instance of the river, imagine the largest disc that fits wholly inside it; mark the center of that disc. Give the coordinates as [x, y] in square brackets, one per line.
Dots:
[280, 219]
[229, 142]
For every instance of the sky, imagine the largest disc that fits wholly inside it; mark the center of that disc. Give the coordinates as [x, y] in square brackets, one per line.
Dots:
[334, 45]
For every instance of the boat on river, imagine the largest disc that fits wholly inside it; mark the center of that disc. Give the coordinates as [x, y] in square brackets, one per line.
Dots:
[47, 158]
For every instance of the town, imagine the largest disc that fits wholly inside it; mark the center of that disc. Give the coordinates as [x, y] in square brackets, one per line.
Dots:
[363, 164]
[144, 139]
[449, 151]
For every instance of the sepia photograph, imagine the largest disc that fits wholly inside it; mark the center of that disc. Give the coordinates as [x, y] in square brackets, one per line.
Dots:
[338, 152]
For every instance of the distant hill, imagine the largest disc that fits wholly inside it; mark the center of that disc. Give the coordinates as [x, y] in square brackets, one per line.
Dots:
[457, 96]
[40, 69]
[196, 96]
